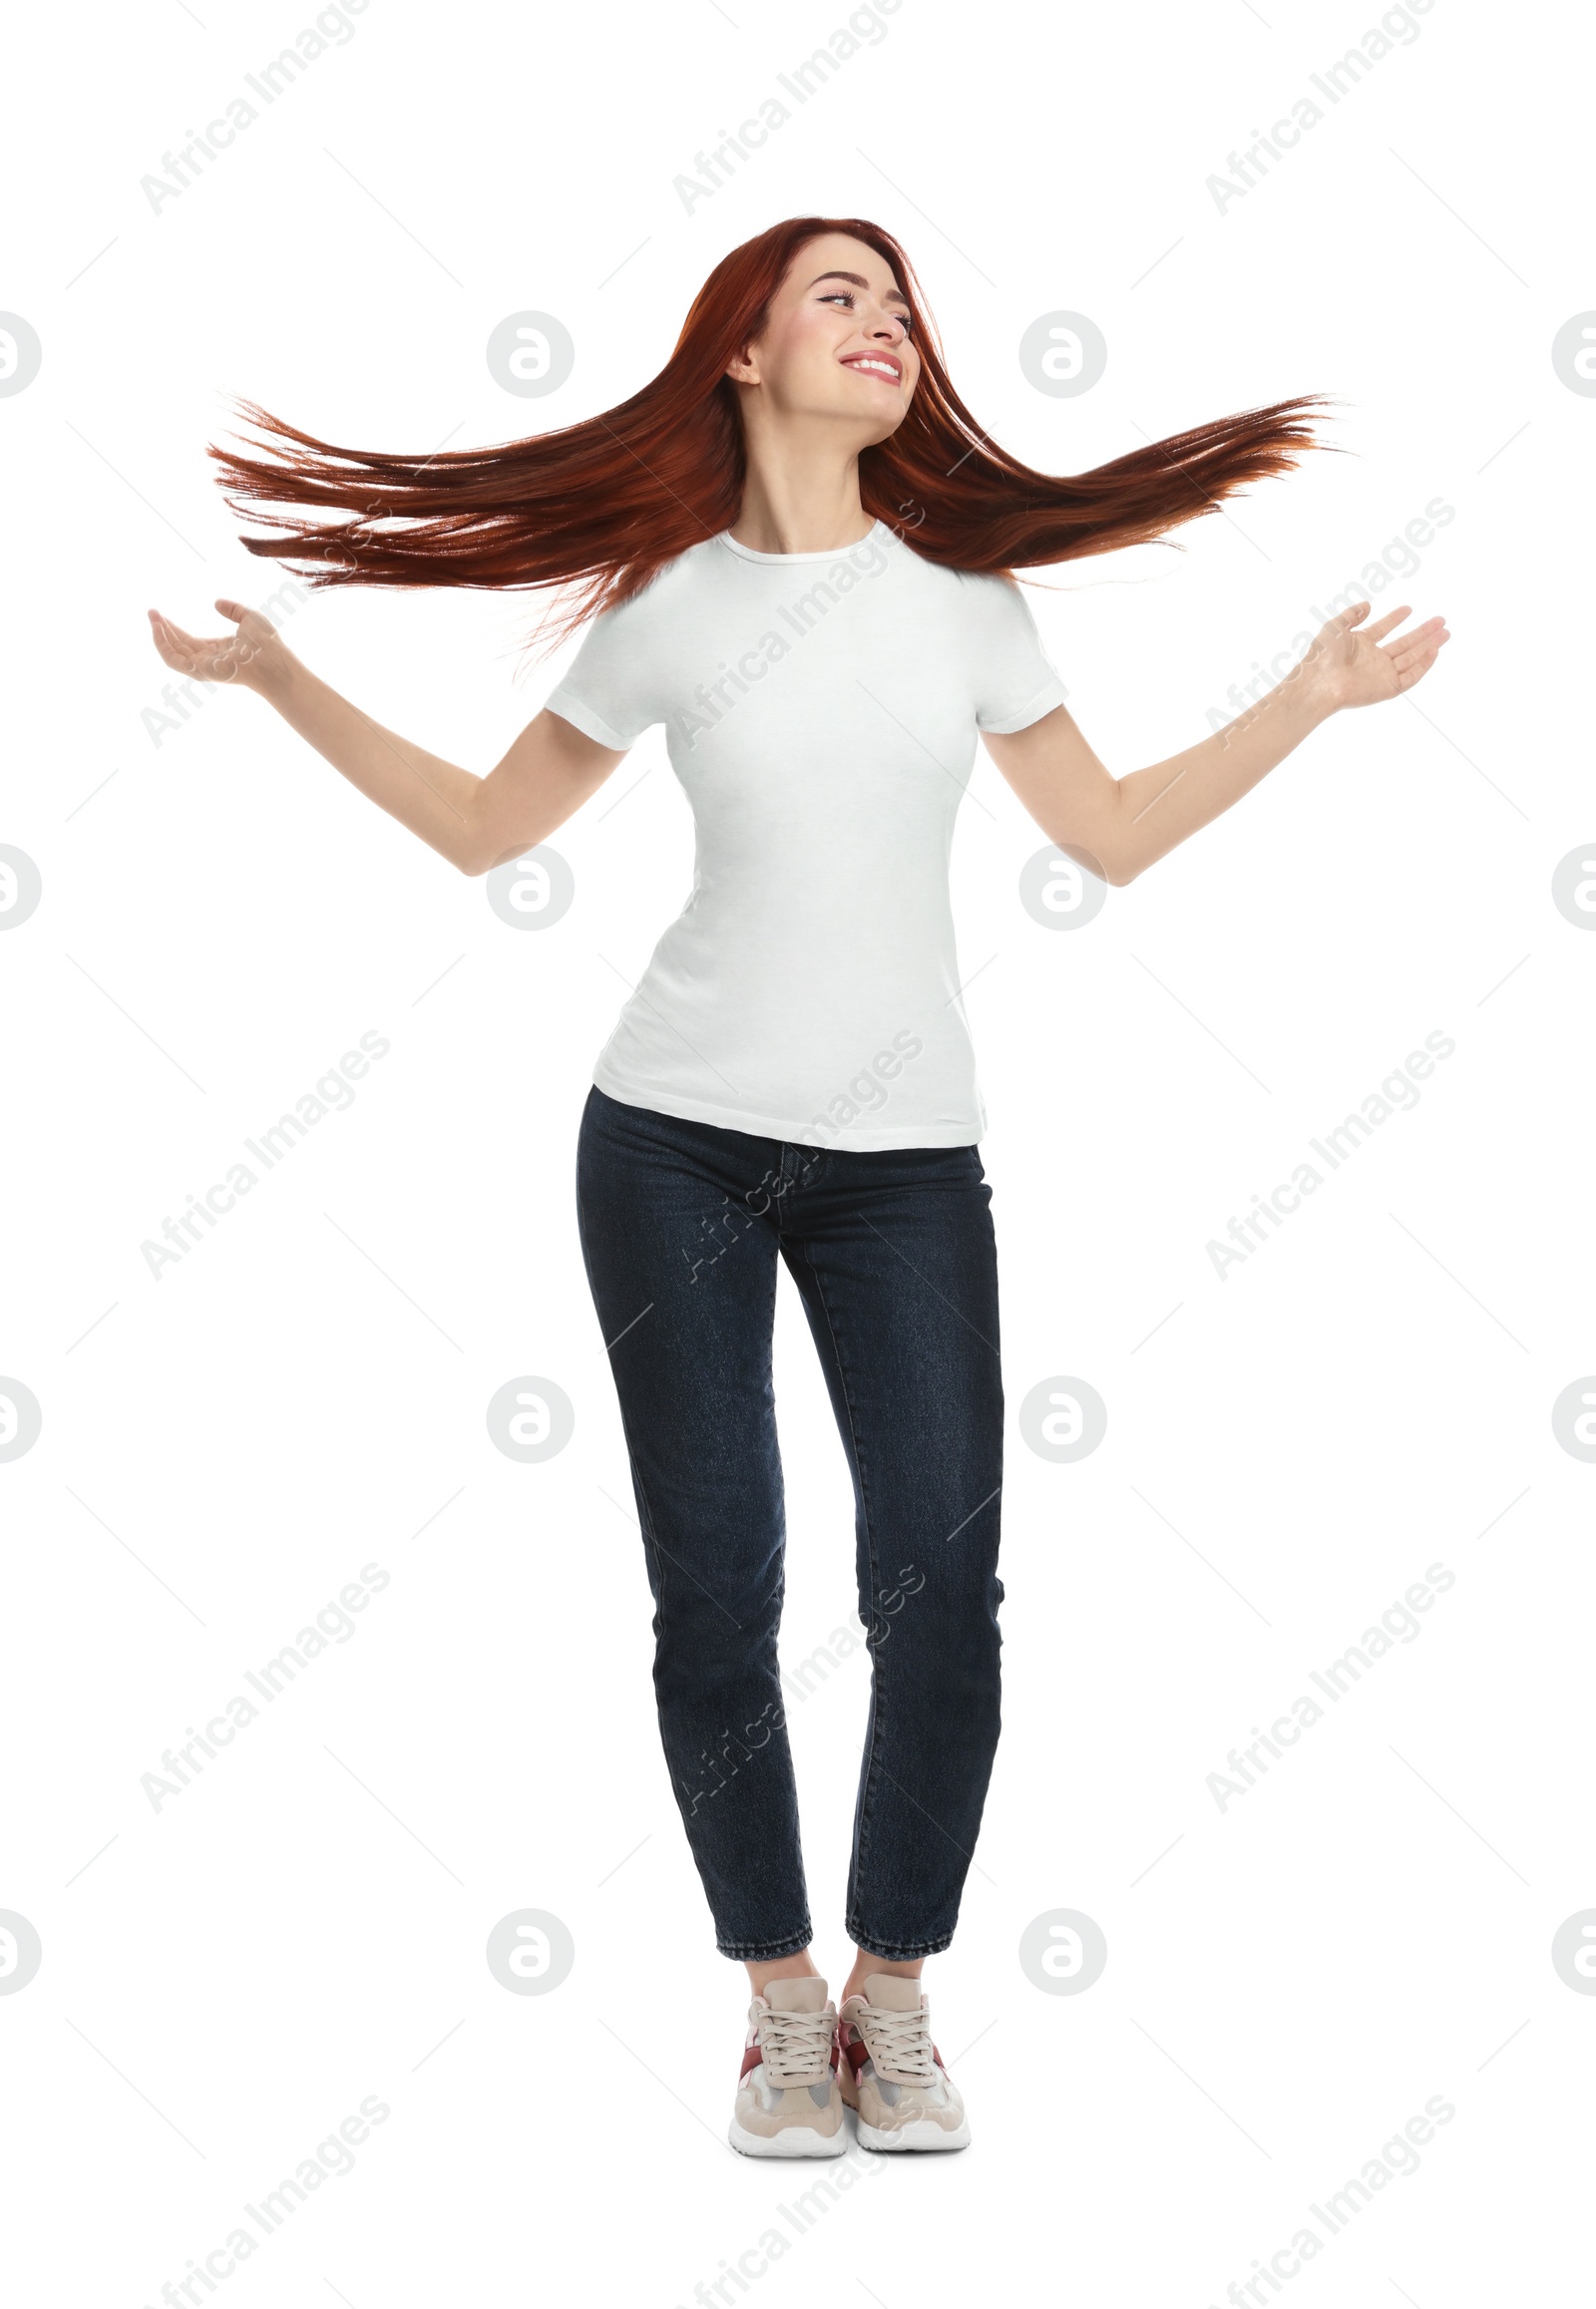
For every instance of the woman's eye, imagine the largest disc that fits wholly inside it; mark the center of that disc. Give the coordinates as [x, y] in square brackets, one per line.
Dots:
[846, 297]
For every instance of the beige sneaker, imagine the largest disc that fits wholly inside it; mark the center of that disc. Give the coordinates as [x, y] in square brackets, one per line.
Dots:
[788, 2103]
[892, 2072]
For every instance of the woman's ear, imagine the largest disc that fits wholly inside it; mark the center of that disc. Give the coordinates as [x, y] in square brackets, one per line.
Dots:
[743, 368]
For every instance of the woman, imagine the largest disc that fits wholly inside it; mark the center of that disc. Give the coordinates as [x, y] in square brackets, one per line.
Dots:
[794, 548]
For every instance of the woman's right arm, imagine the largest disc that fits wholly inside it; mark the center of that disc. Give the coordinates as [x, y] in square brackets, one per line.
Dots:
[476, 823]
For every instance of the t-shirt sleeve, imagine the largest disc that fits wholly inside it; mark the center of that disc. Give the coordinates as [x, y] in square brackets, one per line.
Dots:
[609, 691]
[1016, 682]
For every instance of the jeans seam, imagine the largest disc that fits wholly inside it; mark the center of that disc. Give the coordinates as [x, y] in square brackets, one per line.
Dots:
[748, 1952]
[647, 1526]
[902, 1952]
[867, 1802]
[764, 1952]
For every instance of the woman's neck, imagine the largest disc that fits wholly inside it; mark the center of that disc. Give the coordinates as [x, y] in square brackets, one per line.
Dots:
[801, 505]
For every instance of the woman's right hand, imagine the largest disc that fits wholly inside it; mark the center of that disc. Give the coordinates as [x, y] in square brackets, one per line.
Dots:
[250, 657]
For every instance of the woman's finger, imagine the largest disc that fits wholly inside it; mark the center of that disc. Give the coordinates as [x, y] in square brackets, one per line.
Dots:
[169, 643]
[1416, 670]
[204, 645]
[1384, 625]
[1417, 638]
[1415, 657]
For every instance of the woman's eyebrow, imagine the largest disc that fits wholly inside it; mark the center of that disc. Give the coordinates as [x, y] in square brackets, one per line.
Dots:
[859, 281]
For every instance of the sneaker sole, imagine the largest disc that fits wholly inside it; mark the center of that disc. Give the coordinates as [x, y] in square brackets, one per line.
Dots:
[923, 2132]
[791, 2140]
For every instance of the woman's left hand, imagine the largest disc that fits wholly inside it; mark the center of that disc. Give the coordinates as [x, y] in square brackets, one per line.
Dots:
[1346, 666]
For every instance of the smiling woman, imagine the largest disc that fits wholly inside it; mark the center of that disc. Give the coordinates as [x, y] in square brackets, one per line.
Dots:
[801, 470]
[599, 506]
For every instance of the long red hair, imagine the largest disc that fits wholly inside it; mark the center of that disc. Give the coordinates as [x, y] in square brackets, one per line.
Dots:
[594, 508]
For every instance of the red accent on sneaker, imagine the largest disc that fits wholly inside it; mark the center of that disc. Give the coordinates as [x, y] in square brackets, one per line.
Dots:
[752, 2056]
[858, 2054]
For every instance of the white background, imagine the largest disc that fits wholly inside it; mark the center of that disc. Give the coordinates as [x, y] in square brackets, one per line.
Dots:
[1289, 1981]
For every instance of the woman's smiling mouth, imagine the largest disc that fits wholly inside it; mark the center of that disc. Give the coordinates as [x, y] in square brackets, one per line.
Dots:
[885, 365]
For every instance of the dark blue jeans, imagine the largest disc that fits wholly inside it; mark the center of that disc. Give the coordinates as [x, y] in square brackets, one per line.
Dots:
[893, 1252]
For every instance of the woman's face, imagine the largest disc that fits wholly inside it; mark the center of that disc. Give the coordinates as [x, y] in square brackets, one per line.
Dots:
[836, 342]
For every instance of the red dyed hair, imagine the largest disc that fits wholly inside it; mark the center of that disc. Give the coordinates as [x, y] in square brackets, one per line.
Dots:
[599, 506]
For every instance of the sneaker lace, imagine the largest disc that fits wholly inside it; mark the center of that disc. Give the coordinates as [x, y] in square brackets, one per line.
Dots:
[900, 2045]
[796, 2046]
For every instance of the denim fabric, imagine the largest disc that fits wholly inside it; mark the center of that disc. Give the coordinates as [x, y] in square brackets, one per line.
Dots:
[893, 1252]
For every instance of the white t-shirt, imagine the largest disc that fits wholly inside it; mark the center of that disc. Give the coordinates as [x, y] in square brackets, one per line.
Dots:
[821, 712]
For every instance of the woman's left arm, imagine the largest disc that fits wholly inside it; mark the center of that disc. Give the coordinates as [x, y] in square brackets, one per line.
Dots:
[1117, 827]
